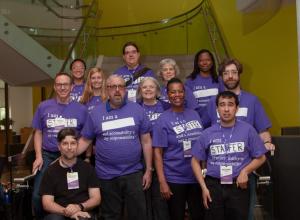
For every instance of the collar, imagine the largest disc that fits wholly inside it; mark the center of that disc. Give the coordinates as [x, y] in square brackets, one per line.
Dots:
[109, 108]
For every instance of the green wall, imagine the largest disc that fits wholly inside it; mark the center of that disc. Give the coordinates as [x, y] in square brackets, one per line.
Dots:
[266, 47]
[269, 55]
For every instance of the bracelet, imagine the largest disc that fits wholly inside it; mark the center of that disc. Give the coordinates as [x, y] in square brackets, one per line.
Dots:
[267, 142]
[81, 207]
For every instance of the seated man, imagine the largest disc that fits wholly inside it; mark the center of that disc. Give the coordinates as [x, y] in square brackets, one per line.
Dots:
[70, 187]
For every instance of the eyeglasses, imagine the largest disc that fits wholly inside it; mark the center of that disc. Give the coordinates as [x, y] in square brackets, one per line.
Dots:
[130, 52]
[235, 72]
[116, 87]
[61, 85]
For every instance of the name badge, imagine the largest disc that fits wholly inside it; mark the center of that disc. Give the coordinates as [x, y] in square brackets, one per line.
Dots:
[73, 180]
[187, 148]
[132, 95]
[226, 174]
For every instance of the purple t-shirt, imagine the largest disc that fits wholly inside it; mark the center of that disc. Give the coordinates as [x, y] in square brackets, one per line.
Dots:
[117, 133]
[93, 102]
[176, 133]
[189, 99]
[234, 146]
[51, 116]
[77, 92]
[127, 74]
[203, 88]
[153, 111]
[250, 110]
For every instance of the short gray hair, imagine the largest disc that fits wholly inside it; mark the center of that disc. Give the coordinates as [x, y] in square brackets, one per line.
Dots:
[168, 61]
[139, 92]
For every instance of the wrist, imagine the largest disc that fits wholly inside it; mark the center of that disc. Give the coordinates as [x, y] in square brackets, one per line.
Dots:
[81, 207]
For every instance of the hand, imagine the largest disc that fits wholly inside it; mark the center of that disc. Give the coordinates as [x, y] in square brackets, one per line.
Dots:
[165, 191]
[206, 198]
[37, 164]
[242, 180]
[80, 214]
[71, 209]
[147, 179]
[269, 146]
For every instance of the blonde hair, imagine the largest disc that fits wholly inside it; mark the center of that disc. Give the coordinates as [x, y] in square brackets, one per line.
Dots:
[88, 92]
[139, 90]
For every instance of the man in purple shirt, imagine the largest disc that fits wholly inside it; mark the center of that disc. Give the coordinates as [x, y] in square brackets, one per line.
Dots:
[131, 56]
[51, 116]
[122, 132]
[250, 110]
[232, 150]
[77, 68]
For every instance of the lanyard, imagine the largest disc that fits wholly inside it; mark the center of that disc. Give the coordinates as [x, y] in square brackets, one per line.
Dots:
[67, 166]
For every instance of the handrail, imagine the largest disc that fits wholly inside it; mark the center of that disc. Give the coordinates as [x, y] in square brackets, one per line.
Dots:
[163, 21]
[44, 2]
[154, 29]
[78, 35]
[71, 6]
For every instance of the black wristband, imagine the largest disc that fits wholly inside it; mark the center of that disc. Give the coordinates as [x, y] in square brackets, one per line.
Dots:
[81, 207]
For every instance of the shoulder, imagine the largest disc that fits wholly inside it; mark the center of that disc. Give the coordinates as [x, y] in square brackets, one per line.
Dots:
[120, 70]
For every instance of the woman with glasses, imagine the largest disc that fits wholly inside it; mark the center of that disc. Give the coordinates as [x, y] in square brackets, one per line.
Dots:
[174, 135]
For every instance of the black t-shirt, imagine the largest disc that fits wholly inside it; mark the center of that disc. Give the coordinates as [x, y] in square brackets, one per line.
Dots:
[54, 182]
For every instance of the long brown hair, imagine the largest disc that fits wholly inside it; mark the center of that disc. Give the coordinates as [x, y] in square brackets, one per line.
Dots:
[88, 92]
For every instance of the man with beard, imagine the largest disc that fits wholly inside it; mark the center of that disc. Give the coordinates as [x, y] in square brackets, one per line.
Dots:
[250, 110]
[77, 68]
[122, 132]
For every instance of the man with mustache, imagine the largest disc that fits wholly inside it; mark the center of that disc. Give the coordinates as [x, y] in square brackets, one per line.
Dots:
[122, 132]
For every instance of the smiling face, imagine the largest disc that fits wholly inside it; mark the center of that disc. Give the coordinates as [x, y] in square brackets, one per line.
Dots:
[176, 94]
[77, 70]
[168, 72]
[149, 90]
[62, 87]
[96, 80]
[131, 56]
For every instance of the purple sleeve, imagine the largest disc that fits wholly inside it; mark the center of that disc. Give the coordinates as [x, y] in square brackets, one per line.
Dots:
[37, 119]
[160, 135]
[88, 130]
[261, 121]
[256, 146]
[188, 84]
[190, 100]
[198, 149]
[207, 113]
[146, 125]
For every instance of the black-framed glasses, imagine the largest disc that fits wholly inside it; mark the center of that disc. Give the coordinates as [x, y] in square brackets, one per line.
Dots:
[115, 87]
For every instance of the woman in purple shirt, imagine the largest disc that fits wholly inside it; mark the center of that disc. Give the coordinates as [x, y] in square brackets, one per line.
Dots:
[174, 134]
[168, 69]
[204, 81]
[93, 95]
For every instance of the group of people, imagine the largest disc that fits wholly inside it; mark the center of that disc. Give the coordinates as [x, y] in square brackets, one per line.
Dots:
[150, 143]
